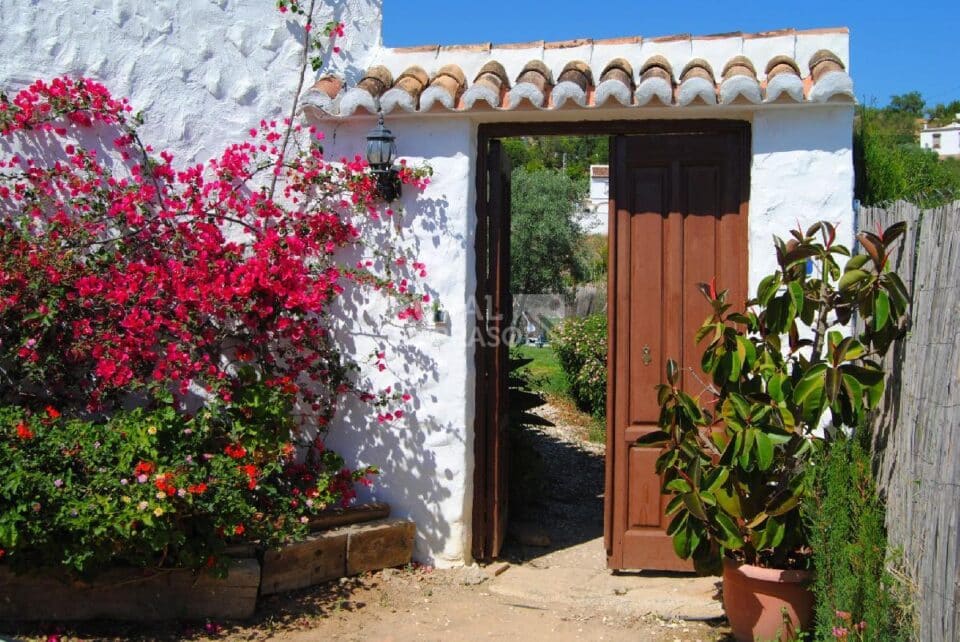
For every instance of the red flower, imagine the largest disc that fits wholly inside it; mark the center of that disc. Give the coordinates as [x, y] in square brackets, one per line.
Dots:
[238, 529]
[251, 472]
[235, 451]
[23, 431]
[53, 412]
[144, 468]
[197, 489]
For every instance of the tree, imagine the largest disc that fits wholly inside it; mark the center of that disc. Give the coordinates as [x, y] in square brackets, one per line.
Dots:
[944, 114]
[911, 103]
[891, 165]
[545, 236]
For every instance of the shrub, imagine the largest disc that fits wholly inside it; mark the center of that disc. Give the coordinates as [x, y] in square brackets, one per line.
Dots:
[581, 346]
[150, 487]
[849, 546]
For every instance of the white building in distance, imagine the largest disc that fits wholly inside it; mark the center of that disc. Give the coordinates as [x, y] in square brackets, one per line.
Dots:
[943, 140]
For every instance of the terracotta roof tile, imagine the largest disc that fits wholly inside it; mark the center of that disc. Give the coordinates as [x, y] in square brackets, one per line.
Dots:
[599, 73]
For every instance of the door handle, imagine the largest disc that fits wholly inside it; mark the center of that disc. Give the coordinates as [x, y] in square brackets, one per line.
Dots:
[646, 357]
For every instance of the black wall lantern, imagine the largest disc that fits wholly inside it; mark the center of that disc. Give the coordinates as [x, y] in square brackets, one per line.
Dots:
[381, 149]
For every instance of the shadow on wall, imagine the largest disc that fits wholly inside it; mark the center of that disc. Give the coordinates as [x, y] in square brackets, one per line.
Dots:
[421, 456]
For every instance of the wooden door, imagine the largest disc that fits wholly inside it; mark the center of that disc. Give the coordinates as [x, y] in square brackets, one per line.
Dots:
[494, 311]
[677, 218]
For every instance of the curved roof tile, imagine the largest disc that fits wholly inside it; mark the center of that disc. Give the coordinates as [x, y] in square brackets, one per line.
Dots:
[740, 56]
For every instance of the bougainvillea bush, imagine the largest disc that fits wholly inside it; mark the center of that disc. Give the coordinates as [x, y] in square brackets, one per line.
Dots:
[201, 295]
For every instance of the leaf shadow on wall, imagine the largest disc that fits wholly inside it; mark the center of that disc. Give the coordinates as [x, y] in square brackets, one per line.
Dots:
[423, 455]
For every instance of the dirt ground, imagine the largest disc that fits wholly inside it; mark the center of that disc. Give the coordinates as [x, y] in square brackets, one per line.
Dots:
[400, 605]
[552, 585]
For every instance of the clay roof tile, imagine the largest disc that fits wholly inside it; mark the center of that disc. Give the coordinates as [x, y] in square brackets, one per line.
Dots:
[376, 80]
[697, 68]
[780, 65]
[824, 61]
[618, 69]
[536, 73]
[739, 66]
[577, 72]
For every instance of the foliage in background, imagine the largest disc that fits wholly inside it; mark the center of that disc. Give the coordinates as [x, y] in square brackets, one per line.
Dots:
[542, 371]
[151, 487]
[573, 155]
[545, 237]
[892, 166]
[736, 492]
[581, 346]
[848, 538]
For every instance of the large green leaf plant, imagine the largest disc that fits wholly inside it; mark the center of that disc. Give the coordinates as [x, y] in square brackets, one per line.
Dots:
[779, 380]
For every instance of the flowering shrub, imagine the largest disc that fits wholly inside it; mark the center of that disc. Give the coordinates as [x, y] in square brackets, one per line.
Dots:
[126, 278]
[581, 346]
[126, 273]
[152, 487]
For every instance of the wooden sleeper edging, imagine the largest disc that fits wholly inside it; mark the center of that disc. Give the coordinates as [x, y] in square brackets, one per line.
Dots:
[355, 541]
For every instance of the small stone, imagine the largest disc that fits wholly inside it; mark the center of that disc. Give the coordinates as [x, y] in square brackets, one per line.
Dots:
[473, 576]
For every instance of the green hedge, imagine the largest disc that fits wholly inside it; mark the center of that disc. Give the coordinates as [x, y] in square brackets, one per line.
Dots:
[581, 346]
[849, 542]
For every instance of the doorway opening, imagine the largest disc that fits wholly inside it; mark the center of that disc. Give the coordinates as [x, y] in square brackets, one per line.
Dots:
[675, 216]
[558, 342]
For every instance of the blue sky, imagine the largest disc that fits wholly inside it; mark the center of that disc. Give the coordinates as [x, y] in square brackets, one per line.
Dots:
[895, 47]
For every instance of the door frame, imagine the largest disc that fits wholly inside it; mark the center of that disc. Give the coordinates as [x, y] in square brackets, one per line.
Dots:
[484, 478]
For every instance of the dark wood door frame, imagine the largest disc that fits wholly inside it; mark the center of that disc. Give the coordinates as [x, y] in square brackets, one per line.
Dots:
[484, 525]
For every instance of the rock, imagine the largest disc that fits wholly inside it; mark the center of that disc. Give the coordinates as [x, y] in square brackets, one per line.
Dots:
[473, 576]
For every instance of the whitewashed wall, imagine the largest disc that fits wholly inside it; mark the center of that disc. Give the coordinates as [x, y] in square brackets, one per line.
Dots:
[205, 71]
[202, 71]
[802, 170]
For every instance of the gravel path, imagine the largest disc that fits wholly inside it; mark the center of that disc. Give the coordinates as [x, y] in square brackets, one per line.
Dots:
[559, 502]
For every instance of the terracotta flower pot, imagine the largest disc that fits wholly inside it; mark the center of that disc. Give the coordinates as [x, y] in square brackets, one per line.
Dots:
[766, 603]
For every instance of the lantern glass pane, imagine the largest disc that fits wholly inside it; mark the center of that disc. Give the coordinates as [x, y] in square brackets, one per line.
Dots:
[373, 151]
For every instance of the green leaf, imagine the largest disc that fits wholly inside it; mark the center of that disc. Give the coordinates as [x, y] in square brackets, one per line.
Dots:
[673, 372]
[715, 479]
[678, 485]
[764, 448]
[856, 262]
[811, 384]
[674, 505]
[767, 288]
[694, 505]
[677, 523]
[796, 294]
[655, 438]
[881, 310]
[851, 279]
[730, 535]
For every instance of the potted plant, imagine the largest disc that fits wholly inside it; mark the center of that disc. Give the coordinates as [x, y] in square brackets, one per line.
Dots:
[778, 380]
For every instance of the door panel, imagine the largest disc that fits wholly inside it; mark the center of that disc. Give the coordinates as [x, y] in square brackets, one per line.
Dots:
[678, 218]
[491, 444]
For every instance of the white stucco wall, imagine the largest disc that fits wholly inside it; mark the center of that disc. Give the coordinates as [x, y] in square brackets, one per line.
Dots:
[205, 71]
[802, 171]
[426, 459]
[202, 71]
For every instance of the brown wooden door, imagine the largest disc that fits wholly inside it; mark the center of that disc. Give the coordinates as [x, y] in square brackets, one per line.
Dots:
[677, 218]
[494, 311]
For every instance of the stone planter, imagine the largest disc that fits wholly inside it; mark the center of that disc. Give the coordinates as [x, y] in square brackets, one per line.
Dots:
[766, 603]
